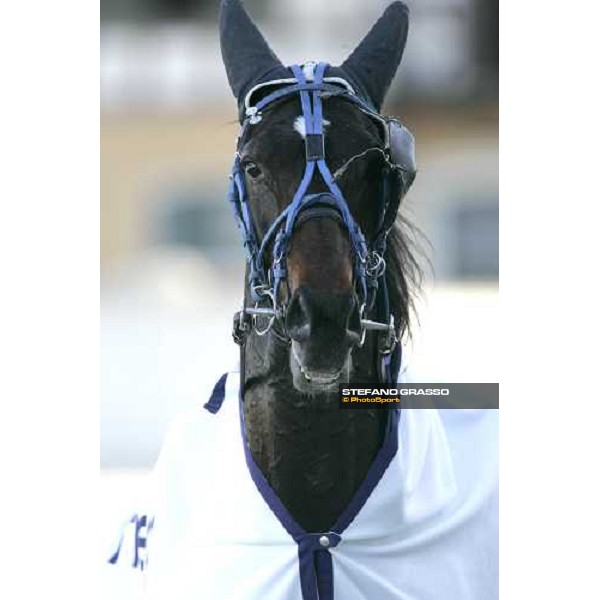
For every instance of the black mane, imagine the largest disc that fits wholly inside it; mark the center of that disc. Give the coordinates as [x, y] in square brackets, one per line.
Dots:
[404, 274]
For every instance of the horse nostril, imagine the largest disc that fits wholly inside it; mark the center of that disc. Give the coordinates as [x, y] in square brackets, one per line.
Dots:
[297, 319]
[332, 318]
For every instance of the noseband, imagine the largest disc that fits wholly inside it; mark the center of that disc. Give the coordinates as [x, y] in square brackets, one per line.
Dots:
[369, 265]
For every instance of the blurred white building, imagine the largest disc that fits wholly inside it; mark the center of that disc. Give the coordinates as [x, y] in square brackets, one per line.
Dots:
[164, 53]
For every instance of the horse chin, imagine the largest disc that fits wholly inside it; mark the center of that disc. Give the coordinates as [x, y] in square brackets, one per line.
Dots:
[314, 382]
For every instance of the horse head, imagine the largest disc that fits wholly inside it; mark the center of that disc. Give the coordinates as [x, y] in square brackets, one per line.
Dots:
[321, 309]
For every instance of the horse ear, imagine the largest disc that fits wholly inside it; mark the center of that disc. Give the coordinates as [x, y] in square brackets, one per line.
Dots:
[375, 60]
[245, 52]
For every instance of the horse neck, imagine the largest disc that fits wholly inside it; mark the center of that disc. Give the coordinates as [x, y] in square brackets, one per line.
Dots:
[313, 454]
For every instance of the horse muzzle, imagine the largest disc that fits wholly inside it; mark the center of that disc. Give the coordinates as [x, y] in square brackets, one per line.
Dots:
[323, 329]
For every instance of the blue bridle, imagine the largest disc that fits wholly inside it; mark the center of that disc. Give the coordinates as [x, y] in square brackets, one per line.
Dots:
[368, 262]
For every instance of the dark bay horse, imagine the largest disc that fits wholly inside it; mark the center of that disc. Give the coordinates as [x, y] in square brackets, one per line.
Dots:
[312, 334]
[286, 495]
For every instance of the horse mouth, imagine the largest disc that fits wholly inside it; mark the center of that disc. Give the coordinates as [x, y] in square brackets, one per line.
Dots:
[309, 380]
[319, 379]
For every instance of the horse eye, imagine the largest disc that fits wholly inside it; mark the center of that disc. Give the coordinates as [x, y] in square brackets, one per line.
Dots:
[252, 170]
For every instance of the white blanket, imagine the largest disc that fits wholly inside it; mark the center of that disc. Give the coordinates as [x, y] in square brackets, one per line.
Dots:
[428, 530]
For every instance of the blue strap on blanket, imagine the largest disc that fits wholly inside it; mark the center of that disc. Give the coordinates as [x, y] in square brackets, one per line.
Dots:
[218, 395]
[316, 566]
[314, 557]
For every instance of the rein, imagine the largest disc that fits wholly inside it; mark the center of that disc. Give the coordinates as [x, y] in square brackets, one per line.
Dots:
[369, 265]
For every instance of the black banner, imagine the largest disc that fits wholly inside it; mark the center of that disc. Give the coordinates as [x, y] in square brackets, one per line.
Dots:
[419, 395]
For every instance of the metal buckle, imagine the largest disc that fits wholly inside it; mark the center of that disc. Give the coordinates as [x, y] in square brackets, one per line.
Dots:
[315, 146]
[253, 115]
[241, 327]
[363, 329]
[256, 312]
[374, 264]
[308, 68]
[387, 342]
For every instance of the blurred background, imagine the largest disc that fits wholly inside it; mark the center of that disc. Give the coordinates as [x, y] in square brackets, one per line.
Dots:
[171, 259]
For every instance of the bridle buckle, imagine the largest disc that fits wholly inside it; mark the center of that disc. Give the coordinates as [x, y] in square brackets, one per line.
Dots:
[241, 327]
[387, 343]
[254, 117]
[374, 264]
[314, 144]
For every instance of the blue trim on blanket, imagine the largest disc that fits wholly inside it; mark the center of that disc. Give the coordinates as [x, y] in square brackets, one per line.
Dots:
[382, 460]
[315, 561]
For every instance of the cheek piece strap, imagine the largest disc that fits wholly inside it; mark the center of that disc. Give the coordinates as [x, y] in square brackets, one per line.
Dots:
[368, 263]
